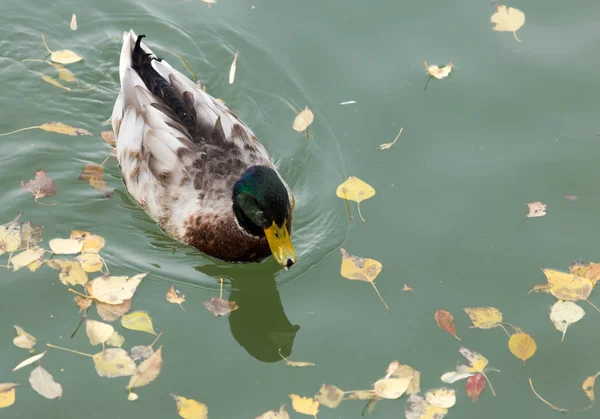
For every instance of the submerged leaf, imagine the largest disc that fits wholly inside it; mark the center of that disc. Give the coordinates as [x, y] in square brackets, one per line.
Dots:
[43, 383]
[391, 388]
[109, 137]
[93, 173]
[220, 307]
[362, 269]
[303, 120]
[116, 340]
[329, 396]
[190, 408]
[40, 187]
[112, 312]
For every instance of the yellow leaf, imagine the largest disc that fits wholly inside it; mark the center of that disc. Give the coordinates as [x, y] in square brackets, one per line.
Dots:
[175, 296]
[23, 339]
[522, 346]
[190, 408]
[391, 388]
[71, 272]
[442, 397]
[275, 414]
[53, 81]
[568, 287]
[484, 317]
[406, 371]
[329, 396]
[16, 235]
[65, 56]
[90, 262]
[588, 386]
[93, 173]
[64, 73]
[295, 363]
[92, 243]
[73, 24]
[233, 68]
[305, 405]
[61, 128]
[303, 120]
[362, 395]
[115, 340]
[147, 371]
[131, 396]
[83, 303]
[419, 408]
[362, 269]
[98, 332]
[7, 394]
[355, 189]
[26, 257]
[65, 246]
[114, 362]
[115, 289]
[508, 20]
[438, 72]
[138, 320]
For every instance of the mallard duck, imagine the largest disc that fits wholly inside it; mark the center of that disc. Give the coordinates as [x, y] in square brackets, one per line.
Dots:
[195, 167]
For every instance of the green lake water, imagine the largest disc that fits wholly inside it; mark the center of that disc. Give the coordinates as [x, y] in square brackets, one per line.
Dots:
[514, 123]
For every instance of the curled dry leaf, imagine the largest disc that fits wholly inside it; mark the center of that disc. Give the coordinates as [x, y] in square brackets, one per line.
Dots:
[355, 189]
[303, 120]
[589, 271]
[388, 145]
[233, 68]
[7, 394]
[16, 235]
[43, 383]
[190, 408]
[522, 346]
[114, 362]
[508, 19]
[588, 386]
[147, 371]
[275, 414]
[441, 397]
[98, 332]
[93, 173]
[475, 386]
[305, 405]
[40, 187]
[71, 272]
[29, 361]
[565, 313]
[114, 289]
[484, 317]
[536, 209]
[406, 288]
[445, 321]
[73, 24]
[65, 246]
[438, 72]
[109, 137]
[23, 339]
[220, 307]
[26, 257]
[329, 396]
[175, 296]
[138, 320]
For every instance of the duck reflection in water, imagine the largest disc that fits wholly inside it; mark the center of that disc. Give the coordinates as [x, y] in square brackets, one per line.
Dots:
[260, 325]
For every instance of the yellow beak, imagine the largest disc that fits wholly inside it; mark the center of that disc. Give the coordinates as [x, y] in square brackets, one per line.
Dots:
[281, 245]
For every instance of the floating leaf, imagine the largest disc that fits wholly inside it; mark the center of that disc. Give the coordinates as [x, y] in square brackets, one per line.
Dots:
[92, 243]
[73, 24]
[329, 396]
[63, 56]
[7, 394]
[567, 286]
[90, 262]
[508, 20]
[303, 120]
[275, 414]
[406, 288]
[388, 145]
[362, 395]
[98, 332]
[29, 361]
[355, 189]
[589, 271]
[361, 269]
[61, 128]
[406, 371]
[190, 408]
[522, 346]
[141, 352]
[53, 81]
[131, 396]
[233, 68]
[64, 73]
[109, 137]
[565, 313]
[588, 386]
[445, 321]
[114, 362]
[65, 246]
[438, 72]
[391, 388]
[175, 296]
[23, 339]
[147, 371]
[71, 272]
[83, 303]
[419, 408]
[115, 289]
[43, 383]
[220, 307]
[16, 235]
[305, 405]
[536, 209]
[116, 340]
[93, 173]
[138, 320]
[475, 386]
[26, 257]
[441, 397]
[40, 187]
[484, 317]
[112, 312]
[478, 365]
[295, 363]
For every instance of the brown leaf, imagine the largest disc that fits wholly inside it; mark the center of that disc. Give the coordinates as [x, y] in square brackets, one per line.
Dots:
[475, 386]
[83, 303]
[112, 312]
[588, 386]
[220, 307]
[109, 137]
[147, 371]
[93, 173]
[40, 187]
[536, 209]
[16, 235]
[445, 321]
[175, 296]
[329, 396]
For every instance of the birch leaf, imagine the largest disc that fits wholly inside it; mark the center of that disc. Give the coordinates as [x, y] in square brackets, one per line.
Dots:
[190, 408]
[567, 286]
[275, 414]
[445, 321]
[65, 246]
[588, 386]
[508, 19]
[53, 81]
[61, 128]
[438, 72]
[138, 320]
[63, 56]
[484, 317]
[175, 296]
[303, 120]
[26, 257]
[92, 243]
[536, 209]
[29, 361]
[356, 190]
[115, 289]
[43, 383]
[114, 362]
[475, 386]
[147, 371]
[23, 339]
[90, 262]
[522, 346]
[565, 313]
[7, 394]
[64, 73]
[98, 332]
[361, 269]
[112, 312]
[305, 405]
[40, 187]
[116, 340]
[71, 272]
[329, 396]
[442, 397]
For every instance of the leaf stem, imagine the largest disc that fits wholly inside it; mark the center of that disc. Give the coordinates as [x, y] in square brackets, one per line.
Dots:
[152, 344]
[380, 297]
[68, 350]
[19, 130]
[560, 409]
[46, 45]
[490, 383]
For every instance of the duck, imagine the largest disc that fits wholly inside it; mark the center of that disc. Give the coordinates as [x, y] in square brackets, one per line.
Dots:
[196, 169]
